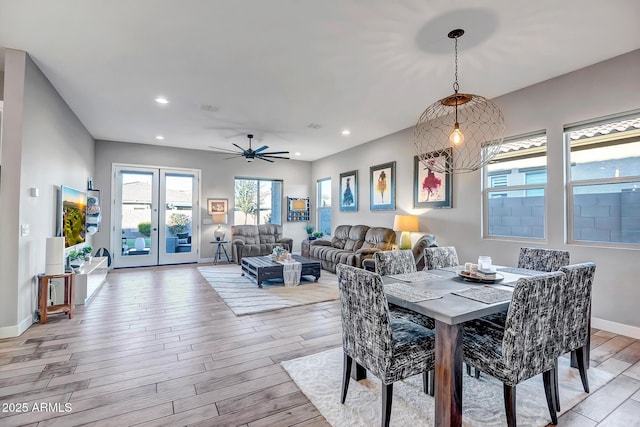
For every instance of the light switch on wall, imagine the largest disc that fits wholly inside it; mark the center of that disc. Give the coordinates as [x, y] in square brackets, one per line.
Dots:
[25, 230]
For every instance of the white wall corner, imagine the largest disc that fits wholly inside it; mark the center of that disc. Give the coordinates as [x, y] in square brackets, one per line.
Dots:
[616, 328]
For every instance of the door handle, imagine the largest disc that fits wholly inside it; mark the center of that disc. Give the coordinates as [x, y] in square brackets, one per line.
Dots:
[155, 229]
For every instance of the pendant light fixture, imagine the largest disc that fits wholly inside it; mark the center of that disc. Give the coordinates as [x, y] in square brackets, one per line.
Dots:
[460, 133]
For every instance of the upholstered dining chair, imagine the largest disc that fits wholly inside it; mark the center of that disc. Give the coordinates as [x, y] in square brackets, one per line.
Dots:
[529, 343]
[577, 318]
[440, 257]
[542, 259]
[390, 348]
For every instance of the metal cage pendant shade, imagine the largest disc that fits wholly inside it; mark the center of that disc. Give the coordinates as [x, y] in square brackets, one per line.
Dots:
[465, 129]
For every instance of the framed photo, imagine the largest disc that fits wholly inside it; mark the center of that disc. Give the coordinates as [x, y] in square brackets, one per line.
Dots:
[349, 191]
[383, 187]
[216, 206]
[432, 189]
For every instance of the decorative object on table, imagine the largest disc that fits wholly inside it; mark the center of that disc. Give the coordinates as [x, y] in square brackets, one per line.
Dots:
[309, 230]
[86, 251]
[317, 234]
[405, 224]
[298, 209]
[279, 253]
[219, 218]
[477, 277]
[54, 257]
[76, 259]
[432, 189]
[470, 125]
[383, 187]
[250, 154]
[217, 206]
[349, 191]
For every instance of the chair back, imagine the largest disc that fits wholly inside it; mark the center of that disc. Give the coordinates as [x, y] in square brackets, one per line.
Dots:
[394, 262]
[366, 329]
[543, 259]
[533, 327]
[577, 304]
[440, 257]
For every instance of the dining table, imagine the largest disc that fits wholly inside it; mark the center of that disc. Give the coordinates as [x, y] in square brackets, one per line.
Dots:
[450, 311]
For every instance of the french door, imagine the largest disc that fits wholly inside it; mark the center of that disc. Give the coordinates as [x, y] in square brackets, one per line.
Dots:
[155, 216]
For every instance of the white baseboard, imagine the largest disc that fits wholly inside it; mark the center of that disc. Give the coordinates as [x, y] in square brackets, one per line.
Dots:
[616, 328]
[16, 330]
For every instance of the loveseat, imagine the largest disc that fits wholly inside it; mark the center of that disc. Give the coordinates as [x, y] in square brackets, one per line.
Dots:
[257, 240]
[351, 245]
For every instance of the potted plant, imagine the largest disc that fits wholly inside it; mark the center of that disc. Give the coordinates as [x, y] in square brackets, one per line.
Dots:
[317, 234]
[76, 258]
[86, 251]
[279, 253]
[309, 229]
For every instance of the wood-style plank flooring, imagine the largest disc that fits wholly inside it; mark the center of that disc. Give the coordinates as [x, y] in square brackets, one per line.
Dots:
[157, 346]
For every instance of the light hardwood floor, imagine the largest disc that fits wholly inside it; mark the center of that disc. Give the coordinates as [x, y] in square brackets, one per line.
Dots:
[157, 346]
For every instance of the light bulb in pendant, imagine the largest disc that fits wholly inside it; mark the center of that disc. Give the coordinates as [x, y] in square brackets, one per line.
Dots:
[456, 136]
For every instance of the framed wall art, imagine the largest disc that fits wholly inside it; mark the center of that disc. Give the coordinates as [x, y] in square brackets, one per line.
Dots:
[216, 206]
[383, 187]
[432, 189]
[349, 191]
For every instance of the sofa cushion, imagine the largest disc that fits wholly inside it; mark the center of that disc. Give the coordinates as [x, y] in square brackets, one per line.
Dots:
[356, 238]
[270, 233]
[379, 238]
[247, 233]
[340, 236]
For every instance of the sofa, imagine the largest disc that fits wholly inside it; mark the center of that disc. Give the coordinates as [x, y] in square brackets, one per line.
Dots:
[257, 240]
[351, 245]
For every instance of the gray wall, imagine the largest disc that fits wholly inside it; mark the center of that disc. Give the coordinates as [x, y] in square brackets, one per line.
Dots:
[44, 146]
[602, 89]
[217, 182]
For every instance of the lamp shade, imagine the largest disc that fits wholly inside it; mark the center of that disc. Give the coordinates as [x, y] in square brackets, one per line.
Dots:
[219, 218]
[405, 223]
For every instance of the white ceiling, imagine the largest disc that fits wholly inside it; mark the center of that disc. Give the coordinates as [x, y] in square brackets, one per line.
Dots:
[275, 67]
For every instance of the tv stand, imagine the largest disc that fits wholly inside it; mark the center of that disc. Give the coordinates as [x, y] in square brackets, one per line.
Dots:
[89, 279]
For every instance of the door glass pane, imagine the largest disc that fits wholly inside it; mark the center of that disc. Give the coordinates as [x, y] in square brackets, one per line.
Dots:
[137, 200]
[178, 213]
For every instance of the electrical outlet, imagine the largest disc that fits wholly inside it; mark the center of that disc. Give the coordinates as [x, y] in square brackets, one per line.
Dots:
[25, 230]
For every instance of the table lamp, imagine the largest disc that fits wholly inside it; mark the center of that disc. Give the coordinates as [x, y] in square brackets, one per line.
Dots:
[219, 218]
[406, 224]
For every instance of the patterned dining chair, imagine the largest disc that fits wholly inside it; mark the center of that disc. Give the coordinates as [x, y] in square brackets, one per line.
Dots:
[542, 259]
[390, 348]
[528, 345]
[440, 257]
[577, 318]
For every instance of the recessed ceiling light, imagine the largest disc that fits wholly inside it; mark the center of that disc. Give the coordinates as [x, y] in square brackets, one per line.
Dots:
[346, 132]
[159, 137]
[297, 153]
[162, 100]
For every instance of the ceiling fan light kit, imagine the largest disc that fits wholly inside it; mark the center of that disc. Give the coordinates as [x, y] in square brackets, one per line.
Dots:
[250, 154]
[468, 126]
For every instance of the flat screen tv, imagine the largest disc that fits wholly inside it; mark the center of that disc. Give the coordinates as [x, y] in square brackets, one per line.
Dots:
[73, 212]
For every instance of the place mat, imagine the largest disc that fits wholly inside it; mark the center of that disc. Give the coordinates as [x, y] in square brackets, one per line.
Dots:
[485, 294]
[409, 293]
[520, 271]
[416, 276]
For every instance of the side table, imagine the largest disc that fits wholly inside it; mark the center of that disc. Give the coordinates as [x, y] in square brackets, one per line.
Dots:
[66, 307]
[304, 248]
[220, 249]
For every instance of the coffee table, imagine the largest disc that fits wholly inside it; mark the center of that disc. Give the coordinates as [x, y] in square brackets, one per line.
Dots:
[261, 268]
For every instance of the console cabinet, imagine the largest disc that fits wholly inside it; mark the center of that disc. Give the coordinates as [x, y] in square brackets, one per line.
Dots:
[89, 279]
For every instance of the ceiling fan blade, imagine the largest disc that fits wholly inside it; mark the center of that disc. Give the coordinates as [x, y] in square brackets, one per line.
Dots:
[273, 157]
[262, 158]
[222, 149]
[233, 157]
[243, 150]
[264, 147]
[275, 152]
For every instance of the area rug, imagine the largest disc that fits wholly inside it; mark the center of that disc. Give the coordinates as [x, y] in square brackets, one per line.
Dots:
[243, 296]
[319, 377]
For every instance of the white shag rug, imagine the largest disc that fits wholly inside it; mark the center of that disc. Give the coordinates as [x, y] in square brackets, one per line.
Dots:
[243, 296]
[319, 376]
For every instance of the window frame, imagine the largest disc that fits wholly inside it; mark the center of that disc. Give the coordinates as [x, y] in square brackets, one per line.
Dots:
[609, 140]
[502, 191]
[319, 206]
[258, 209]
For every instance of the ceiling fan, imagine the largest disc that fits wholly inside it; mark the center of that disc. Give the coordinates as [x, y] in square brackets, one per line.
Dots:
[250, 154]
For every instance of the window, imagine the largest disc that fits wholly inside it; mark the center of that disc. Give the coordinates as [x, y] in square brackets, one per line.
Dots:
[257, 201]
[514, 189]
[324, 206]
[604, 181]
